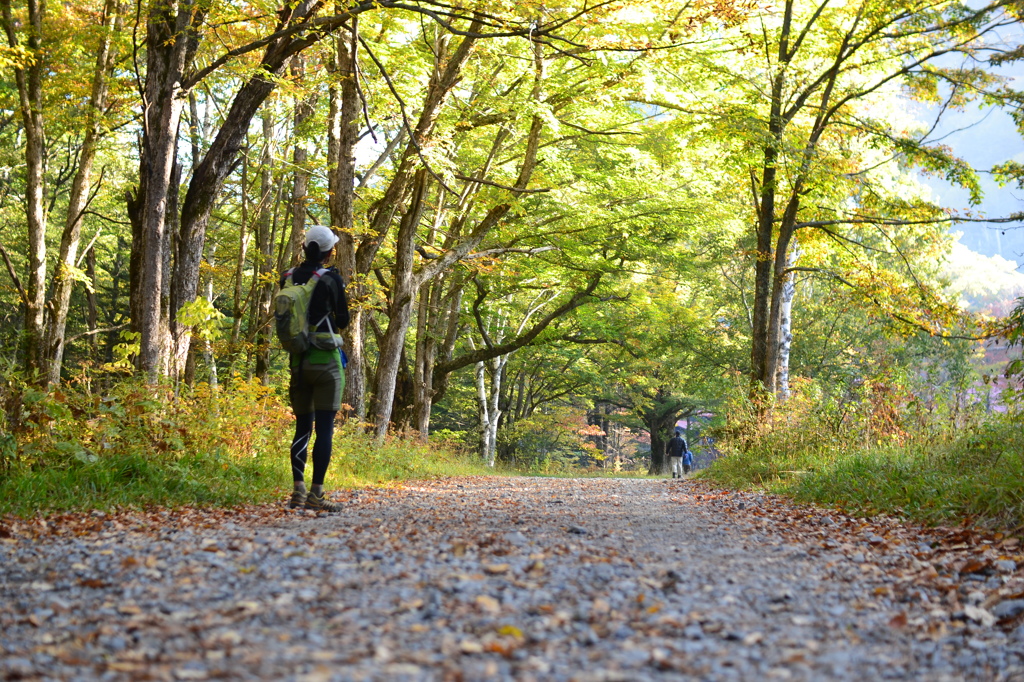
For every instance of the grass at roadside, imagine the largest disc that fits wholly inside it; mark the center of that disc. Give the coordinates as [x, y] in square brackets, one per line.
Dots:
[135, 447]
[975, 476]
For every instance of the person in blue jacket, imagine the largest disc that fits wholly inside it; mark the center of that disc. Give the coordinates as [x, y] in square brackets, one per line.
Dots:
[679, 455]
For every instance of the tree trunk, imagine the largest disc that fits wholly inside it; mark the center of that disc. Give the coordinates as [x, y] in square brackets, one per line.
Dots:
[170, 45]
[494, 409]
[343, 134]
[660, 419]
[263, 272]
[403, 293]
[244, 237]
[441, 84]
[786, 328]
[304, 109]
[426, 349]
[464, 245]
[219, 161]
[426, 389]
[64, 279]
[761, 378]
[29, 82]
[92, 315]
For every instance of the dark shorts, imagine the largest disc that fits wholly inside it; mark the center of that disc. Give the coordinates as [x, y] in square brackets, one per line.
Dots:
[317, 383]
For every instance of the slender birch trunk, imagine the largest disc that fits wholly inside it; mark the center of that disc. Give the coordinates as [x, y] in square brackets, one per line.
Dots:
[482, 408]
[786, 328]
[29, 82]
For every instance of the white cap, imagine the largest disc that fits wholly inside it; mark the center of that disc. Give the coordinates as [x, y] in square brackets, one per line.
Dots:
[322, 235]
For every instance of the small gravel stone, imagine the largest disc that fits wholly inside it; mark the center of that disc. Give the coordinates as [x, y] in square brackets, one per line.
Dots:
[504, 579]
[1011, 608]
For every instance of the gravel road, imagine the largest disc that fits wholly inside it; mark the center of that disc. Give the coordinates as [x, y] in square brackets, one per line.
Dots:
[507, 578]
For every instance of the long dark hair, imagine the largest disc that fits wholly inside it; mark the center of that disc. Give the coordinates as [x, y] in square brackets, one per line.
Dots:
[314, 254]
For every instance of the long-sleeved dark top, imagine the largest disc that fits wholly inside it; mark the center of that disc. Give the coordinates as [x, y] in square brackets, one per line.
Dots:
[676, 447]
[328, 296]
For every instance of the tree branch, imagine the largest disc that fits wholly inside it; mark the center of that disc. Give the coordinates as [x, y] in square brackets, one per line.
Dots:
[894, 315]
[483, 354]
[14, 275]
[95, 331]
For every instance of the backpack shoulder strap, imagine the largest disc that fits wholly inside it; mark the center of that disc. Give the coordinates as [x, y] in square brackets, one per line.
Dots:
[318, 277]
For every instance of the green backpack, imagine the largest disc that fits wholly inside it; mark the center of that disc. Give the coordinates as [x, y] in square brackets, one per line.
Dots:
[291, 310]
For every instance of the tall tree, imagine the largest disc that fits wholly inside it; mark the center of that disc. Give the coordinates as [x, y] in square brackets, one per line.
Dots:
[826, 65]
[66, 269]
[28, 75]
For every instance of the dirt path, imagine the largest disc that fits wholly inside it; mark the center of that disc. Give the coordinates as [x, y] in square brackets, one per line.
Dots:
[508, 578]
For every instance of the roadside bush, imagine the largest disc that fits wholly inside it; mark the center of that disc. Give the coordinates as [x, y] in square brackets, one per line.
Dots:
[875, 448]
[139, 445]
[136, 444]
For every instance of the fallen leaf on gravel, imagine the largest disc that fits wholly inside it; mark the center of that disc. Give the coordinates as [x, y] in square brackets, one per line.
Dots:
[468, 646]
[496, 569]
[510, 631]
[899, 620]
[411, 605]
[979, 615]
[975, 566]
[753, 638]
[488, 604]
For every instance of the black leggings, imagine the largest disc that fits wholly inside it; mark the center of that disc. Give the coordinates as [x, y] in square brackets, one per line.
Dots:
[321, 448]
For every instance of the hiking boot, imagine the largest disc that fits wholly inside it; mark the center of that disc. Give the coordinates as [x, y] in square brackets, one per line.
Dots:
[298, 500]
[320, 503]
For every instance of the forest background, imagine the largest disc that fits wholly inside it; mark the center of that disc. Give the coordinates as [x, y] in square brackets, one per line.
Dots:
[565, 227]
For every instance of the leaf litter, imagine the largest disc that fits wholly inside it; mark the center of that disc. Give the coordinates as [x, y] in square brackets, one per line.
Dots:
[485, 578]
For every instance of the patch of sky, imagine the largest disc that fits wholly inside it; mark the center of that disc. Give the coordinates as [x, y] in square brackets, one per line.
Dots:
[984, 137]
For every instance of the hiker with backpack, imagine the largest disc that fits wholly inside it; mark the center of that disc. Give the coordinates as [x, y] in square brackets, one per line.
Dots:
[311, 310]
[679, 455]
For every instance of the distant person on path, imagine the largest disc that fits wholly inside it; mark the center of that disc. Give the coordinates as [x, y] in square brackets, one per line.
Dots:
[317, 375]
[678, 452]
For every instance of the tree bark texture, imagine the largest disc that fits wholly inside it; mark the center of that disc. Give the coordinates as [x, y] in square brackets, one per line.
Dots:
[786, 328]
[29, 82]
[304, 109]
[403, 292]
[171, 44]
[64, 279]
[219, 160]
[263, 271]
[343, 133]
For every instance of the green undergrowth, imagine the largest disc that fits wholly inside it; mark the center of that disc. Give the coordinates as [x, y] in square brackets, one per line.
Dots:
[972, 476]
[132, 445]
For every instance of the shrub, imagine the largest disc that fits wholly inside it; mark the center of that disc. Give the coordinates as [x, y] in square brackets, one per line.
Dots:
[137, 445]
[870, 450]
